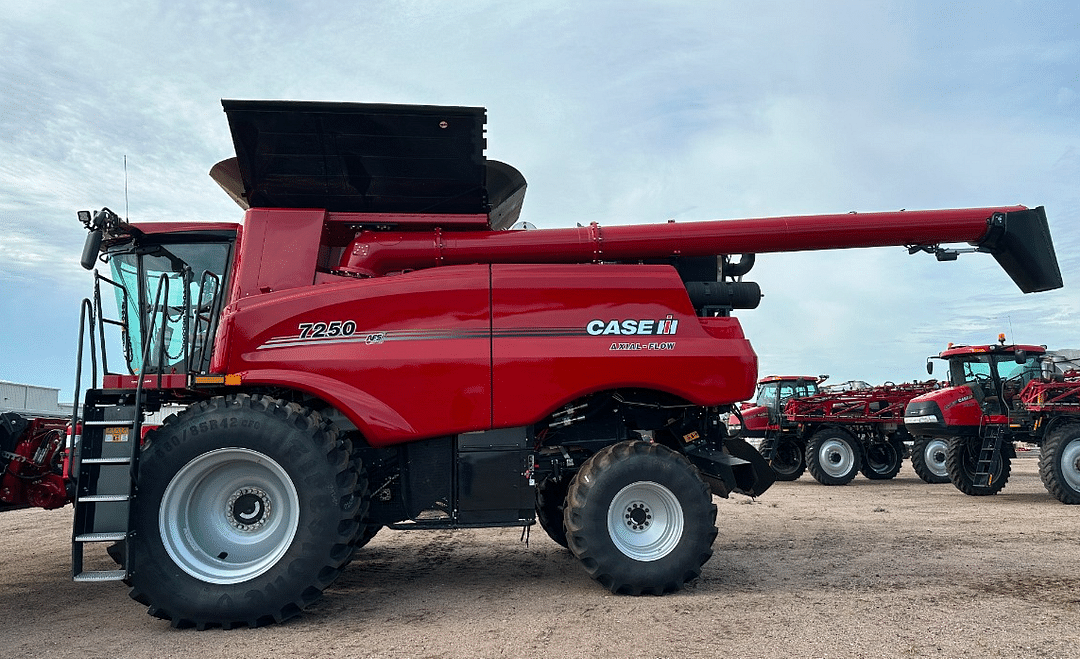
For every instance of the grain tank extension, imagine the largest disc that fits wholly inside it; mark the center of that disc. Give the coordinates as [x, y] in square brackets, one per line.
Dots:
[375, 346]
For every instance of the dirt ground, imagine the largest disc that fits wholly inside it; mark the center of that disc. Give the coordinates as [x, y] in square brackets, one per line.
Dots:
[870, 569]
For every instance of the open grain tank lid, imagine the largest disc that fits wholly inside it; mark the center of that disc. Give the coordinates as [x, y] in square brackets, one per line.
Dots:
[367, 158]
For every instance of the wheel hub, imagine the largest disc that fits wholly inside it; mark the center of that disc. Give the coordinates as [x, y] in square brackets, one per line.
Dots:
[638, 516]
[248, 509]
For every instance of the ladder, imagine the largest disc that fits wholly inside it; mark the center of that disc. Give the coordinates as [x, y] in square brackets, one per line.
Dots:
[768, 446]
[991, 446]
[105, 465]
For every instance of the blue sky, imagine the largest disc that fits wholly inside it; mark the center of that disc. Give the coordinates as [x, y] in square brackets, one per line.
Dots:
[615, 112]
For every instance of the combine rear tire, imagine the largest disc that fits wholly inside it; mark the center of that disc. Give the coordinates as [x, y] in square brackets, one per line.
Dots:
[1059, 463]
[640, 519]
[247, 507]
[883, 460]
[550, 503]
[928, 459]
[790, 460]
[962, 460]
[833, 456]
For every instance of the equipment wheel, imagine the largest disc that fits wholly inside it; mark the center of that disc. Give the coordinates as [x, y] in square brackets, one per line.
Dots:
[790, 460]
[883, 459]
[962, 460]
[1059, 463]
[550, 503]
[640, 518]
[246, 511]
[928, 459]
[833, 456]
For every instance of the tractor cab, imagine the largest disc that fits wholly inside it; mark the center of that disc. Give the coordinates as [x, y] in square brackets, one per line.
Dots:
[765, 411]
[156, 310]
[985, 381]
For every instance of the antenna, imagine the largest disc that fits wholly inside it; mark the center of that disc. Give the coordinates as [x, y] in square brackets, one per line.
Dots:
[126, 216]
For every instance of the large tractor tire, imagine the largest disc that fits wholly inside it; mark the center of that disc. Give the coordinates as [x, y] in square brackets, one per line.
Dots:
[882, 460]
[1059, 463]
[550, 504]
[833, 456]
[246, 511]
[962, 460]
[640, 519]
[928, 459]
[790, 460]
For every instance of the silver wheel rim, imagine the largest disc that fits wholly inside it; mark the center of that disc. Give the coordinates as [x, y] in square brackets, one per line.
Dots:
[1070, 464]
[645, 521]
[934, 457]
[229, 515]
[836, 458]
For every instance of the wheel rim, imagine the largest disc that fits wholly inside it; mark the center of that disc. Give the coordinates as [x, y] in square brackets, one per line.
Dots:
[836, 458]
[645, 521]
[229, 515]
[934, 457]
[1070, 464]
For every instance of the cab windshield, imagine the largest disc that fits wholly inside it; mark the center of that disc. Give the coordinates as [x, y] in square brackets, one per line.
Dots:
[993, 370]
[168, 297]
[776, 393]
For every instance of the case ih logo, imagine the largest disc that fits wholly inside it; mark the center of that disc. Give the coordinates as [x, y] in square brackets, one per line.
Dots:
[667, 325]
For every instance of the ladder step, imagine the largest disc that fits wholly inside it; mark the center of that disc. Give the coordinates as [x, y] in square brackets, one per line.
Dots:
[103, 498]
[106, 461]
[101, 537]
[128, 423]
[101, 575]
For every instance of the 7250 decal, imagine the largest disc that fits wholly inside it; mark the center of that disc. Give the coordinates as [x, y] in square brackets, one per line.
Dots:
[327, 330]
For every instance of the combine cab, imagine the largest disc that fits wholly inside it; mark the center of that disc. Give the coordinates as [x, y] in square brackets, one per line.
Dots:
[374, 347]
[1000, 395]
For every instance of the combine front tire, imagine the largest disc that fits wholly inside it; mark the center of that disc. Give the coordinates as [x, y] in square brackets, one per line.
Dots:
[962, 461]
[833, 456]
[1059, 463]
[790, 460]
[246, 511]
[928, 459]
[883, 459]
[640, 519]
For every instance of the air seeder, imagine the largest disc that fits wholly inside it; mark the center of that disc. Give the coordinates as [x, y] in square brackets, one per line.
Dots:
[375, 346]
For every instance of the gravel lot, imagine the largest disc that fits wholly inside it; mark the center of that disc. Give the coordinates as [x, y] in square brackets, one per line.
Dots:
[871, 569]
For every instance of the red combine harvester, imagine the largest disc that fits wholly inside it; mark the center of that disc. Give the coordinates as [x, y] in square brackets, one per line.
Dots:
[1003, 394]
[374, 347]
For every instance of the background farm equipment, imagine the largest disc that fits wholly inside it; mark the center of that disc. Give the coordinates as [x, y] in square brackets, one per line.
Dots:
[835, 435]
[34, 458]
[1002, 395]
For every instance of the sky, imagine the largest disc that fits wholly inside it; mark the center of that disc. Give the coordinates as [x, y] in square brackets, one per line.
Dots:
[615, 112]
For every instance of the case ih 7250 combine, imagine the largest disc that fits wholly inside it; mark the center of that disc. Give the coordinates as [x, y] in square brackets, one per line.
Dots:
[1003, 394]
[373, 348]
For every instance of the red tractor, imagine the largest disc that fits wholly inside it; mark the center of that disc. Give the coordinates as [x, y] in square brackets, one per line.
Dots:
[1000, 395]
[762, 422]
[374, 346]
[834, 434]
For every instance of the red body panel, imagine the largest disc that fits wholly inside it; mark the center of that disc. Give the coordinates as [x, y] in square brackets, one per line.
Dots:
[554, 339]
[476, 339]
